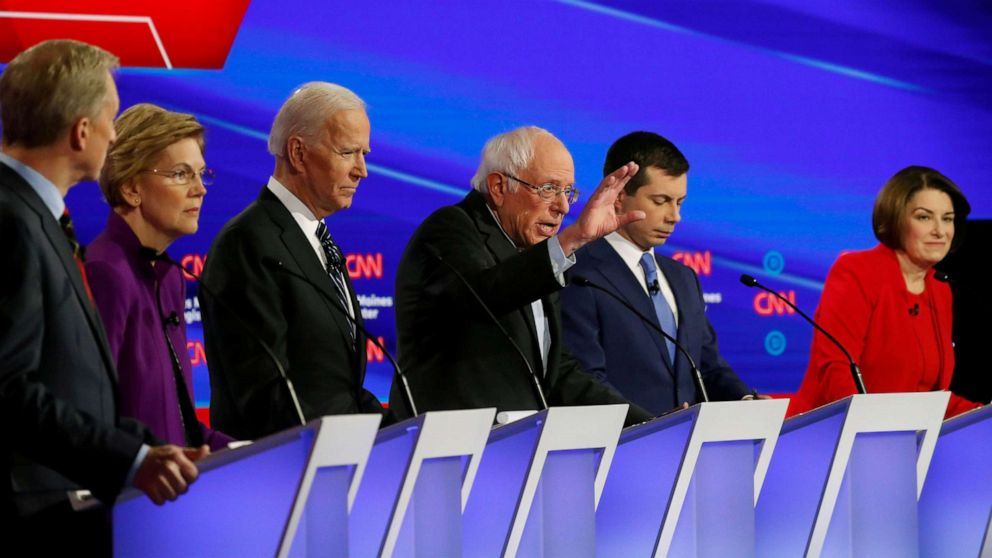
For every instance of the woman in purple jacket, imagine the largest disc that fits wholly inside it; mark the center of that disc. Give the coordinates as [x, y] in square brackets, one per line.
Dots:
[154, 180]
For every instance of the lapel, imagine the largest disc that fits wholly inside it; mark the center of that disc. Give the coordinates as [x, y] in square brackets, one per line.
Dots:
[309, 265]
[625, 284]
[60, 246]
[501, 249]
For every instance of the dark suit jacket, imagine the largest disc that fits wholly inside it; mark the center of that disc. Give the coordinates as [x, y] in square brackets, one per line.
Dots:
[454, 355]
[308, 334]
[59, 427]
[618, 348]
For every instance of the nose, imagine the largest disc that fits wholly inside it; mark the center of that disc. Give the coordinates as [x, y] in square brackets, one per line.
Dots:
[676, 214]
[560, 204]
[361, 167]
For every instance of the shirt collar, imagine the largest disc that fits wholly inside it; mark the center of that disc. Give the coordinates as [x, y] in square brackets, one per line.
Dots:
[42, 186]
[629, 252]
[300, 212]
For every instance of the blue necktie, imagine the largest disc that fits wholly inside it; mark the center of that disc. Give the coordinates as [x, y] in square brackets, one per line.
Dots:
[665, 316]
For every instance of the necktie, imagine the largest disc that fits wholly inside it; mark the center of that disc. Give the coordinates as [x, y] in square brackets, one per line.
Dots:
[78, 251]
[335, 268]
[665, 315]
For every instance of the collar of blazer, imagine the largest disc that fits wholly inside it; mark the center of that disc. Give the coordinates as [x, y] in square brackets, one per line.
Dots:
[60, 245]
[308, 265]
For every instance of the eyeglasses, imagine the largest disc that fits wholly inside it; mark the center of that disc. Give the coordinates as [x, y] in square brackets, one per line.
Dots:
[548, 191]
[182, 176]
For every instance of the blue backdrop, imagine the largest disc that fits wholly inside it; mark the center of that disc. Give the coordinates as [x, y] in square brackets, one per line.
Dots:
[792, 119]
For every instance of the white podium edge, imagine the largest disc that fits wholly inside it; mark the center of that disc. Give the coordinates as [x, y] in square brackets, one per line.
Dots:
[339, 440]
[922, 412]
[722, 421]
[567, 428]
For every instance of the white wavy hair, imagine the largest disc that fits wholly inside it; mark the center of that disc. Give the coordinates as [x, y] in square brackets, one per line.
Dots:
[508, 152]
[306, 110]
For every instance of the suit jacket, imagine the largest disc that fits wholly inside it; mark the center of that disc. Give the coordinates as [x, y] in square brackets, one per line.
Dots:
[307, 331]
[59, 421]
[452, 352]
[618, 348]
[864, 305]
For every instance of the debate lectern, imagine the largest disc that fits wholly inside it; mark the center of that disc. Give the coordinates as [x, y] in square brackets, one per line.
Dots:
[845, 478]
[537, 486]
[416, 484]
[956, 504]
[685, 484]
[257, 499]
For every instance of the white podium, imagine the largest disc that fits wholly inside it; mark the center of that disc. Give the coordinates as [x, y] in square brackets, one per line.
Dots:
[539, 481]
[956, 504]
[845, 478]
[254, 500]
[686, 484]
[417, 482]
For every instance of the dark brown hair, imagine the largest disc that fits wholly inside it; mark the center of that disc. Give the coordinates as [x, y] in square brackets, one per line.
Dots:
[888, 217]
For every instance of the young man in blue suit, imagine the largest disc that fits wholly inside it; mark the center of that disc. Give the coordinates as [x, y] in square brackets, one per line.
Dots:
[610, 341]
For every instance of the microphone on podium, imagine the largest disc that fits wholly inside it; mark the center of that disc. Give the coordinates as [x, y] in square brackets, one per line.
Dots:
[276, 264]
[153, 255]
[859, 382]
[533, 375]
[696, 375]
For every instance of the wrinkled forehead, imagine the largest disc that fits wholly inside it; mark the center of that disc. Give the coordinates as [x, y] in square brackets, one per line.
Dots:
[551, 162]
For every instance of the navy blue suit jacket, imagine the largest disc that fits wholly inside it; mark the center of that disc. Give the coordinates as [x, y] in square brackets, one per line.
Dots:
[619, 349]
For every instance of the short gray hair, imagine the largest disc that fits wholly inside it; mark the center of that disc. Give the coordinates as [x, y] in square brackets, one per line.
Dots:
[46, 88]
[304, 112]
[508, 152]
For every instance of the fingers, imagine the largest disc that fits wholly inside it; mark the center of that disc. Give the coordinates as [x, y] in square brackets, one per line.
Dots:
[196, 454]
[630, 217]
[615, 181]
[167, 472]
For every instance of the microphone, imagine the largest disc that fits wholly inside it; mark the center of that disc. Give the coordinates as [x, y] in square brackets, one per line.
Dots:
[696, 375]
[152, 255]
[915, 310]
[171, 319]
[942, 277]
[533, 375]
[859, 382]
[276, 264]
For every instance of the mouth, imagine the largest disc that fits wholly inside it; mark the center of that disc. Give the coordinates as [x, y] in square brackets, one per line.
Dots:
[192, 211]
[547, 229]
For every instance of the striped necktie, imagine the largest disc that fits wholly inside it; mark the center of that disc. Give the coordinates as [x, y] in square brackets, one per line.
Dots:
[335, 268]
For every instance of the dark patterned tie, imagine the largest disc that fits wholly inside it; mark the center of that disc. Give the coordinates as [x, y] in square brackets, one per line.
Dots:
[78, 250]
[335, 268]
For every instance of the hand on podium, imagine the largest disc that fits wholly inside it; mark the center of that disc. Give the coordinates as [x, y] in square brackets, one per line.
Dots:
[167, 471]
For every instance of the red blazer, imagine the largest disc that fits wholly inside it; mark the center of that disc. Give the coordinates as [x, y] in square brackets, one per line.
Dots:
[865, 305]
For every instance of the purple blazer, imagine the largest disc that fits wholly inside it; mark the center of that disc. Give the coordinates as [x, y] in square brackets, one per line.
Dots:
[123, 288]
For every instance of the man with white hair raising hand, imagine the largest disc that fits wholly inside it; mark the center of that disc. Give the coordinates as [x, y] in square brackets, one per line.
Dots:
[503, 239]
[319, 139]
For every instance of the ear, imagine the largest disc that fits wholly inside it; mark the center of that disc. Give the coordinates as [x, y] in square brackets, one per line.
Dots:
[79, 133]
[130, 192]
[295, 152]
[618, 203]
[497, 184]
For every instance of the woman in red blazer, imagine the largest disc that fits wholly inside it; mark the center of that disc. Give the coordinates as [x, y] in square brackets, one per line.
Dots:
[885, 305]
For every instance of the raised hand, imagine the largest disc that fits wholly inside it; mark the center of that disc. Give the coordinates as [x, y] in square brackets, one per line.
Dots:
[599, 217]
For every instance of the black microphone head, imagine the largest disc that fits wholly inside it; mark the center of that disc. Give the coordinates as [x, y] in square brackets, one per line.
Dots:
[748, 280]
[434, 252]
[149, 254]
[579, 280]
[941, 276]
[271, 262]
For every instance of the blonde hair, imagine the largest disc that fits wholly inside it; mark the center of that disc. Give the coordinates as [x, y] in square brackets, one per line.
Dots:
[46, 88]
[143, 132]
